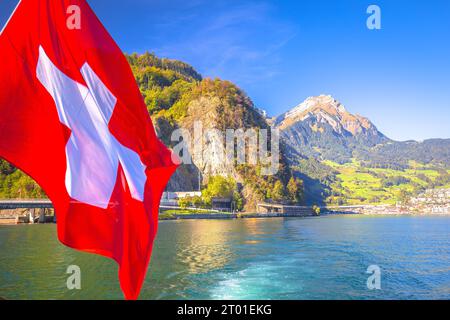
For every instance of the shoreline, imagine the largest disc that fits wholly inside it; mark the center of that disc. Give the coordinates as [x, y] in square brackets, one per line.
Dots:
[12, 221]
[30, 215]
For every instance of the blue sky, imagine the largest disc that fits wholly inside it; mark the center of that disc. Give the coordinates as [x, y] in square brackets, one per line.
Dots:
[280, 52]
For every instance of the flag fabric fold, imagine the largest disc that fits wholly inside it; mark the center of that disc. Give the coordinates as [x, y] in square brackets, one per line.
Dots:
[73, 118]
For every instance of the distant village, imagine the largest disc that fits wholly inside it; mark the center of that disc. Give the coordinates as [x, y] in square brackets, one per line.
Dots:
[431, 201]
[435, 201]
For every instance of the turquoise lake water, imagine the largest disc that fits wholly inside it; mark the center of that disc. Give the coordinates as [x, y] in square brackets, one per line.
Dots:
[293, 258]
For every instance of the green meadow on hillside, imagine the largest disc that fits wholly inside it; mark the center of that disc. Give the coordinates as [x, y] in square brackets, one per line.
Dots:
[355, 184]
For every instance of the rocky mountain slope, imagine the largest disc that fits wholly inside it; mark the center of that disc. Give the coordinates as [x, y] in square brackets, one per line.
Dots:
[326, 110]
[178, 98]
[322, 128]
[344, 159]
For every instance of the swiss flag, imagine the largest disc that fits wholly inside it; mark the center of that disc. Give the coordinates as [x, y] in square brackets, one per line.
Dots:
[72, 117]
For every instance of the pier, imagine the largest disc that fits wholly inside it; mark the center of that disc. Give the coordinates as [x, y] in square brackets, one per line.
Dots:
[284, 210]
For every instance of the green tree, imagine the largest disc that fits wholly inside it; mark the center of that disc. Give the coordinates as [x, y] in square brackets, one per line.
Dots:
[196, 202]
[238, 200]
[16, 184]
[292, 190]
[220, 187]
[278, 192]
[316, 210]
[295, 190]
[184, 202]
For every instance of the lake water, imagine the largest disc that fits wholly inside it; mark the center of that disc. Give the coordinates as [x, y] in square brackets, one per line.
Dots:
[305, 258]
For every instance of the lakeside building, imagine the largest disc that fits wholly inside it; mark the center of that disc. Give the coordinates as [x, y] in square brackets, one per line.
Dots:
[171, 198]
[436, 201]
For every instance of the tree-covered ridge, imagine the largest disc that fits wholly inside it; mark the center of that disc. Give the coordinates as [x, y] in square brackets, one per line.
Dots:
[146, 60]
[169, 86]
[398, 155]
[162, 82]
[15, 184]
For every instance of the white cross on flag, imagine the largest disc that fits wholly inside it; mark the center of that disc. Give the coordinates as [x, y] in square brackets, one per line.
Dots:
[72, 117]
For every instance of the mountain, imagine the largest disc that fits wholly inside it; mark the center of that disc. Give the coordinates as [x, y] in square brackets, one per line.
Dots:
[327, 110]
[344, 159]
[322, 128]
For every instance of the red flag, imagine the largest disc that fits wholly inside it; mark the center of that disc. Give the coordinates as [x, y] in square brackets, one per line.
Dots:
[72, 117]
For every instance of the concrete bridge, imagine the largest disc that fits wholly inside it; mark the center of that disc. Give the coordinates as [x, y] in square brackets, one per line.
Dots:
[25, 204]
[47, 204]
[37, 210]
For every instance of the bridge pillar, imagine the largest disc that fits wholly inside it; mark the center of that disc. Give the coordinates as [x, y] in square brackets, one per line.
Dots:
[31, 215]
[42, 215]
